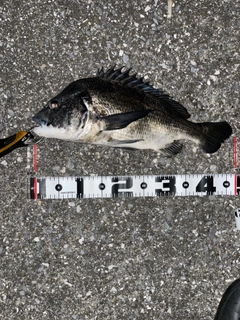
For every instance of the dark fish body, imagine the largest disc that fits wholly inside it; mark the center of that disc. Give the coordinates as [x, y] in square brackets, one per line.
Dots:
[116, 109]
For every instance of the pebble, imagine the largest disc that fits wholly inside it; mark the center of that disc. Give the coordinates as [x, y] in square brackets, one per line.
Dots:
[125, 58]
[11, 112]
[71, 204]
[81, 241]
[56, 168]
[213, 168]
[113, 290]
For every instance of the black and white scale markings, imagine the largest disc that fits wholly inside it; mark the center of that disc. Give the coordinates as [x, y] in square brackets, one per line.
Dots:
[134, 186]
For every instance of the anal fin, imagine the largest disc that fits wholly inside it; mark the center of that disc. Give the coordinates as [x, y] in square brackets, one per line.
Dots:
[174, 148]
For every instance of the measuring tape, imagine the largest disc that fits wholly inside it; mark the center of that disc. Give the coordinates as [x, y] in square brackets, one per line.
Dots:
[134, 186]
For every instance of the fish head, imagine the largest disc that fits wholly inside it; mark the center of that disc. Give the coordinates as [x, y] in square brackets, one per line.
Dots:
[64, 117]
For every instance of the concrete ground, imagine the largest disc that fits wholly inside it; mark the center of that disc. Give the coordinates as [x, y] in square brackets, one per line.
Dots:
[140, 258]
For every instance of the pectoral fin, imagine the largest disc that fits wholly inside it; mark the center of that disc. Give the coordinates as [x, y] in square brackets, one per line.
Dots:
[122, 120]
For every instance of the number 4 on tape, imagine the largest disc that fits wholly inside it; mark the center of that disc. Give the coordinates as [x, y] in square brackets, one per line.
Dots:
[134, 186]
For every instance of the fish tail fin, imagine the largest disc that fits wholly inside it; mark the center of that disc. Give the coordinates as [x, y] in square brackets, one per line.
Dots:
[213, 135]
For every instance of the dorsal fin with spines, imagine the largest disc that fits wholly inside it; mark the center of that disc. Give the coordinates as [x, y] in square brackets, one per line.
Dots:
[132, 81]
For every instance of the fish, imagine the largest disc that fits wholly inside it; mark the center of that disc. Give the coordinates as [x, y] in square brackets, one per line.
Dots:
[118, 109]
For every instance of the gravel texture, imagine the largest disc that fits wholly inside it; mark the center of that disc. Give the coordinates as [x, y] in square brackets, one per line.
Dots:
[152, 258]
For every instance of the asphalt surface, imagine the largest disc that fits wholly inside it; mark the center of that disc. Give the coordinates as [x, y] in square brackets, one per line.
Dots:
[146, 258]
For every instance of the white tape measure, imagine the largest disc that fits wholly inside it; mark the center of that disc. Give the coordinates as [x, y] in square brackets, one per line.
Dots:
[134, 186]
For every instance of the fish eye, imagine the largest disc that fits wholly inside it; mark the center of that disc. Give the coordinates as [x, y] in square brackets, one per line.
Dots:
[53, 104]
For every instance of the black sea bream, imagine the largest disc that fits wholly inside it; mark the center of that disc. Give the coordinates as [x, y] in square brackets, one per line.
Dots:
[116, 109]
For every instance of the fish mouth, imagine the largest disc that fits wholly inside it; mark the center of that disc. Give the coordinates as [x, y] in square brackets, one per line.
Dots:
[42, 118]
[40, 122]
